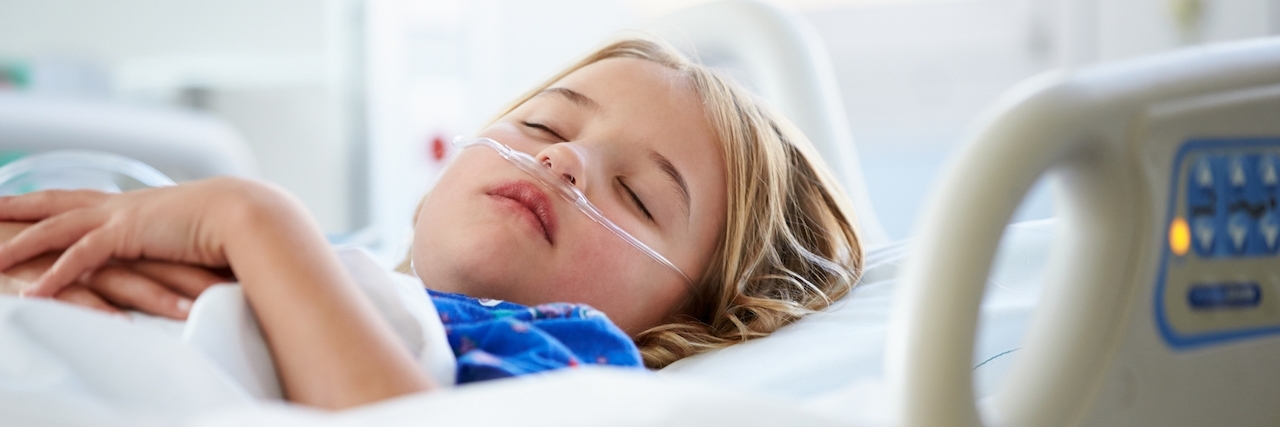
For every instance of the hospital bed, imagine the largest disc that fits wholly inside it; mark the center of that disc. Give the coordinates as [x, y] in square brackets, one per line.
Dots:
[1149, 301]
[1159, 307]
[183, 145]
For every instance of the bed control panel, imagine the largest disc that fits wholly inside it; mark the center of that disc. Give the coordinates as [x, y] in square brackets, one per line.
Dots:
[1219, 278]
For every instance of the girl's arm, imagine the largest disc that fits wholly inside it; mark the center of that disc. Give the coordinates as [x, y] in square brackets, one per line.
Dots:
[331, 349]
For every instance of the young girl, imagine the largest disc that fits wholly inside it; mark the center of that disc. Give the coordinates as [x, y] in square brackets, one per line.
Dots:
[755, 229]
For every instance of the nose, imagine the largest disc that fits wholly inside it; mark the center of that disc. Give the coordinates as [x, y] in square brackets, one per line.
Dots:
[565, 160]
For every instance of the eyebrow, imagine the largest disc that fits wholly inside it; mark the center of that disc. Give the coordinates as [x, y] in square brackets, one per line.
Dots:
[665, 165]
[677, 179]
[573, 96]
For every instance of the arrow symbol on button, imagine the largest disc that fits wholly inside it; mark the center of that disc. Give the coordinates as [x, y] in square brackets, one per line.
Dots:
[1204, 232]
[1237, 229]
[1237, 173]
[1204, 175]
[1270, 229]
[1269, 172]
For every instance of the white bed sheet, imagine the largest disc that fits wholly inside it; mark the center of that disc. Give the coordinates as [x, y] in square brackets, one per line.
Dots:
[833, 361]
[65, 365]
[82, 368]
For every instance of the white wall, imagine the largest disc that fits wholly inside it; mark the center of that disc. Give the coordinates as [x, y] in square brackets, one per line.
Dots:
[273, 69]
[915, 76]
[913, 73]
[439, 69]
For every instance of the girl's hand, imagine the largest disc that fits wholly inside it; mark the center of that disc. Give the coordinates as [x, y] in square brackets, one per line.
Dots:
[330, 347]
[156, 288]
[152, 287]
[183, 224]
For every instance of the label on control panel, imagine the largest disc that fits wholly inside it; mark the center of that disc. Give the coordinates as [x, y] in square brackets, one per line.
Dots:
[1224, 296]
[1219, 272]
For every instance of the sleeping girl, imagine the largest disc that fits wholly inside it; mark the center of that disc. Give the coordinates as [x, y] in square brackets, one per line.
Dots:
[717, 224]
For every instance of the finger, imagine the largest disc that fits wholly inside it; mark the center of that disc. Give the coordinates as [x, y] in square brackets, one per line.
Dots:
[187, 280]
[125, 288]
[90, 252]
[43, 204]
[51, 234]
[82, 296]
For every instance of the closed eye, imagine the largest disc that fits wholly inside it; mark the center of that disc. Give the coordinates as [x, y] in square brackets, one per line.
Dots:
[636, 199]
[545, 128]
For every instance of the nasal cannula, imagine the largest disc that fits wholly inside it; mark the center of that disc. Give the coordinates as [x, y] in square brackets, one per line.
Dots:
[567, 191]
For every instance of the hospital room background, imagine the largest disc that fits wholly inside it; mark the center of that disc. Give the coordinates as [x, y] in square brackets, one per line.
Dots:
[1142, 132]
[351, 104]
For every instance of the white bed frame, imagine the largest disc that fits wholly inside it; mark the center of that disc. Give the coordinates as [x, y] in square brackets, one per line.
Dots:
[1098, 351]
[184, 145]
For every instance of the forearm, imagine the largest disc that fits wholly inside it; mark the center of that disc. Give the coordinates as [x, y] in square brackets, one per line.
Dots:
[330, 346]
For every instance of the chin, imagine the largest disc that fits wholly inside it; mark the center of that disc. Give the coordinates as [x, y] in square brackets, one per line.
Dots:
[479, 265]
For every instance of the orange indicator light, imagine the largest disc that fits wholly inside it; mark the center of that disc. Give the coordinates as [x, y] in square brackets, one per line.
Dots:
[1179, 236]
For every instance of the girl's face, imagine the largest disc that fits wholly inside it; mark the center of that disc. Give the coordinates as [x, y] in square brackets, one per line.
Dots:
[633, 136]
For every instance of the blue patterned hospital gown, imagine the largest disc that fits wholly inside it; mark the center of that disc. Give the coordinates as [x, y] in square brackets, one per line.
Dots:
[497, 339]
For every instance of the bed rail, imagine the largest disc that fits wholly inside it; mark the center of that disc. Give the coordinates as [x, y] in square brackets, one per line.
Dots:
[1109, 134]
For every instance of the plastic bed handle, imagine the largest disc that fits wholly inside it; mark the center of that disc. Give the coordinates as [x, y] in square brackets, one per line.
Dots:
[1078, 126]
[935, 319]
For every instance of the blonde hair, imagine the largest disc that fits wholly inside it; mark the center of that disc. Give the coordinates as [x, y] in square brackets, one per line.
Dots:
[790, 245]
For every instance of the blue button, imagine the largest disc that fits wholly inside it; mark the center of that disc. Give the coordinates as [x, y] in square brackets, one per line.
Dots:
[1269, 231]
[1269, 170]
[1203, 234]
[1238, 225]
[1224, 296]
[1202, 193]
[1237, 171]
[1238, 185]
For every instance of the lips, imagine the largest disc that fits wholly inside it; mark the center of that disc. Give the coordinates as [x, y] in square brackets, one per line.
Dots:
[531, 198]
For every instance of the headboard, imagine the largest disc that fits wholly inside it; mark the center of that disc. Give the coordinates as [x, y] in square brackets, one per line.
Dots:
[779, 56]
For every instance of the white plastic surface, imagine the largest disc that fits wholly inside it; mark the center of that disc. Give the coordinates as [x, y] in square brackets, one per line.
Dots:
[183, 145]
[78, 169]
[1087, 128]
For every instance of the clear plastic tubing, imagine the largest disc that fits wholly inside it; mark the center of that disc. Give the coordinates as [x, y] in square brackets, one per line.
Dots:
[567, 191]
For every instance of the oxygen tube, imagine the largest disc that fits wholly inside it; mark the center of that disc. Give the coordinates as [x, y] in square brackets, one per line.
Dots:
[567, 191]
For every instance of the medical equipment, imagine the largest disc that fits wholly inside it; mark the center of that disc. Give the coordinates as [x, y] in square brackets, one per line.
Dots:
[183, 145]
[78, 169]
[569, 193]
[1160, 309]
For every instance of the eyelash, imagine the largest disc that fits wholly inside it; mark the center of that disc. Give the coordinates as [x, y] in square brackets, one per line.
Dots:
[544, 128]
[634, 198]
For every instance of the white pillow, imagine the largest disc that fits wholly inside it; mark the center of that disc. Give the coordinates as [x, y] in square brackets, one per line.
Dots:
[844, 344]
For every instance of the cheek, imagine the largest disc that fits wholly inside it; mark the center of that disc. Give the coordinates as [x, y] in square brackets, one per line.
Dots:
[610, 275]
[597, 261]
[457, 236]
[430, 237]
